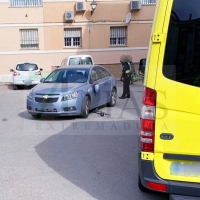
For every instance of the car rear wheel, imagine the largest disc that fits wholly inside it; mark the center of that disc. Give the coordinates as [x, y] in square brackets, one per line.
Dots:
[85, 107]
[15, 87]
[113, 98]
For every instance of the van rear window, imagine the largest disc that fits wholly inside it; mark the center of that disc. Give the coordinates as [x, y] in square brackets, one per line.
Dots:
[182, 52]
[80, 61]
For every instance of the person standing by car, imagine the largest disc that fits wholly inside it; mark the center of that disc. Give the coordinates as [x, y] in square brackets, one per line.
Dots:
[132, 69]
[125, 77]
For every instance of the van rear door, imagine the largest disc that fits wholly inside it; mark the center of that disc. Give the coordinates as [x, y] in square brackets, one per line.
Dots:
[177, 83]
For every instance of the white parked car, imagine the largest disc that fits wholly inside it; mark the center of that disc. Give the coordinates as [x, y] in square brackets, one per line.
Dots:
[26, 74]
[77, 60]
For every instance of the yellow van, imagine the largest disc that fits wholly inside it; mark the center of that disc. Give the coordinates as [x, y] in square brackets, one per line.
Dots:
[169, 153]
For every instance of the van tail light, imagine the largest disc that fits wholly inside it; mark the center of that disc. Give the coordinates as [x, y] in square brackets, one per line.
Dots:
[16, 73]
[147, 120]
[157, 186]
[38, 73]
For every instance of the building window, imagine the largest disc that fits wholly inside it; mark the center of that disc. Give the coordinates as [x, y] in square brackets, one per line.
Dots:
[29, 39]
[147, 2]
[118, 36]
[25, 3]
[72, 37]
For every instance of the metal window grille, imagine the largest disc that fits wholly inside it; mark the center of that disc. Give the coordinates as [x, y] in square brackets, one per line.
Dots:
[118, 36]
[147, 2]
[72, 37]
[25, 3]
[29, 39]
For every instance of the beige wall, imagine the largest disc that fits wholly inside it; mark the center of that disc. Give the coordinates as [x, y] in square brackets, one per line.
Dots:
[139, 35]
[104, 12]
[54, 38]
[10, 38]
[49, 20]
[18, 15]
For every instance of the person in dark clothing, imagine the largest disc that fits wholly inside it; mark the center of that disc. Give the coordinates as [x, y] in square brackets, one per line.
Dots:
[125, 79]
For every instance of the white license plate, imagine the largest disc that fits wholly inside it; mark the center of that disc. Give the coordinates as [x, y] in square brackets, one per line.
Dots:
[185, 169]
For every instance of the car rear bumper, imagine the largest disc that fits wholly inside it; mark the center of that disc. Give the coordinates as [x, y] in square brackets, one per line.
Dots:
[180, 197]
[26, 81]
[184, 189]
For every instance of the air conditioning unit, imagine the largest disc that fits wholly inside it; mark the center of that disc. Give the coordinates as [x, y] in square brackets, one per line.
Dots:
[135, 5]
[80, 6]
[69, 15]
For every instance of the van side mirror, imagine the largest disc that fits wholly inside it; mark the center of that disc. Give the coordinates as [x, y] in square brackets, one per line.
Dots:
[11, 70]
[42, 80]
[41, 69]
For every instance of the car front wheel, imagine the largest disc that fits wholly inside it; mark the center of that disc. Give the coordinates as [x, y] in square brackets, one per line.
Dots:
[85, 107]
[113, 98]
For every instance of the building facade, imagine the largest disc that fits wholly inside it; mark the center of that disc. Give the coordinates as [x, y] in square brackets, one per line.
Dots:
[46, 31]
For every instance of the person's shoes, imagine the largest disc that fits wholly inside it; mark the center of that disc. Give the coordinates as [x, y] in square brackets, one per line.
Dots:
[128, 96]
[122, 97]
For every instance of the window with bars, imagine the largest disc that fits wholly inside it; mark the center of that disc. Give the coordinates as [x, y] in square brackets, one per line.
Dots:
[25, 3]
[118, 36]
[29, 39]
[72, 37]
[147, 2]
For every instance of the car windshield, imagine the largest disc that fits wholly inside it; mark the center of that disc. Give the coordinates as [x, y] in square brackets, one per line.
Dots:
[68, 76]
[26, 67]
[80, 61]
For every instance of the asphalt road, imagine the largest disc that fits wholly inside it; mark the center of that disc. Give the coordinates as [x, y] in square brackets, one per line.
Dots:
[70, 158]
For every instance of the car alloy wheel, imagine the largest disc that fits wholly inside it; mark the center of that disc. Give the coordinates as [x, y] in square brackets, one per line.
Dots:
[85, 107]
[113, 98]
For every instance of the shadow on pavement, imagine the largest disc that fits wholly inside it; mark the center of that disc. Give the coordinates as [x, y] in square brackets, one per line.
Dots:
[41, 117]
[10, 87]
[98, 157]
[26, 115]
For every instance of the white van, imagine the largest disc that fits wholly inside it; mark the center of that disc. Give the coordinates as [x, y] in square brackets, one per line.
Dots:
[77, 60]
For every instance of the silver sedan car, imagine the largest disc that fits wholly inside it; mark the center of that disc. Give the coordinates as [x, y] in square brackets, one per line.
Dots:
[73, 90]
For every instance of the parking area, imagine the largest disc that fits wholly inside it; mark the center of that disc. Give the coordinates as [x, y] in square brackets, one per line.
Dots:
[69, 157]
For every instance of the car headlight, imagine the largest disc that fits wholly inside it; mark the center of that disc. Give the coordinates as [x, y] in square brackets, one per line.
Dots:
[70, 96]
[30, 95]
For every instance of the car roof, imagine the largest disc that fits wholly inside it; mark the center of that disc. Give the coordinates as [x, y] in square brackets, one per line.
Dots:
[26, 63]
[76, 56]
[77, 67]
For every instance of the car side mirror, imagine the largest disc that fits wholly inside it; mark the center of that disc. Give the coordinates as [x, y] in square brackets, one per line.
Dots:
[41, 69]
[96, 88]
[42, 80]
[11, 70]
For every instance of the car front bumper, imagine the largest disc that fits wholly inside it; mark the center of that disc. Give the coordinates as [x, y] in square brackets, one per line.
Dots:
[60, 108]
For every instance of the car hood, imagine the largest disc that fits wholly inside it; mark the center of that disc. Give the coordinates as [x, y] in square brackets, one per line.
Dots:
[47, 88]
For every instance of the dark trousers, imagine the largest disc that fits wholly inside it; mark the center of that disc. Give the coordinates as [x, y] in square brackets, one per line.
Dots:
[126, 86]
